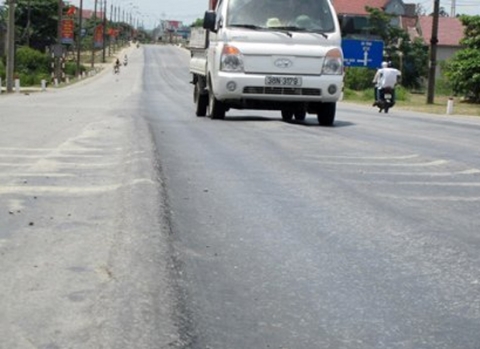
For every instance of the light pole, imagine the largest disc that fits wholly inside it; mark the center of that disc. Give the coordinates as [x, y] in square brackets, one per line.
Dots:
[58, 51]
[79, 38]
[433, 53]
[93, 34]
[10, 45]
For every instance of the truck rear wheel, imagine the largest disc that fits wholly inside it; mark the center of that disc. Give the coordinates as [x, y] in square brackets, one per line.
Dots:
[201, 101]
[326, 113]
[216, 109]
[287, 115]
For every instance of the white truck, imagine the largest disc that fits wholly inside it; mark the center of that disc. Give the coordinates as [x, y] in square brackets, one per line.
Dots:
[268, 55]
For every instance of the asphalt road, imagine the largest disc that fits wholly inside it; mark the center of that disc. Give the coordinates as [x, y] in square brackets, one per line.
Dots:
[127, 222]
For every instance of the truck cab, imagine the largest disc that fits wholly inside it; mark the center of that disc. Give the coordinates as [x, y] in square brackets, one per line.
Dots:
[272, 55]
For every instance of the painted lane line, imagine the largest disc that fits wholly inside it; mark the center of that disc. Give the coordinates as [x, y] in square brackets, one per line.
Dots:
[60, 148]
[399, 157]
[423, 164]
[29, 190]
[418, 174]
[39, 175]
[431, 198]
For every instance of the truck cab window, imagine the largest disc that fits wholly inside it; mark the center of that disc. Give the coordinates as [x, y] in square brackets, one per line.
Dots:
[301, 14]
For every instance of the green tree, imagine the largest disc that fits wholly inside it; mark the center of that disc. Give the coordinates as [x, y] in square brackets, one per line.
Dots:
[463, 70]
[413, 63]
[36, 23]
[197, 23]
[381, 25]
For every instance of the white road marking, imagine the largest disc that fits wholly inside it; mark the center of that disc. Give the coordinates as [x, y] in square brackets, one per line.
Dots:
[421, 164]
[62, 148]
[431, 198]
[57, 164]
[428, 174]
[21, 156]
[426, 183]
[399, 157]
[32, 174]
[70, 190]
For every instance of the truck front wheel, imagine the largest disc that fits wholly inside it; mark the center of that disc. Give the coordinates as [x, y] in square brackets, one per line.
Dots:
[216, 109]
[326, 113]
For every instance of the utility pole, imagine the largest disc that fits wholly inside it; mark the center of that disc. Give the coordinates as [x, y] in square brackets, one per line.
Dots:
[79, 37]
[433, 53]
[111, 26]
[10, 45]
[58, 51]
[94, 32]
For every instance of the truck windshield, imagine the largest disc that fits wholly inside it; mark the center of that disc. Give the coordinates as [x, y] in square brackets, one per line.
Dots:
[296, 15]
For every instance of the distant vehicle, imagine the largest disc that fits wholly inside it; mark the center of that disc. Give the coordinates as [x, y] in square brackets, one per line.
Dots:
[116, 67]
[268, 54]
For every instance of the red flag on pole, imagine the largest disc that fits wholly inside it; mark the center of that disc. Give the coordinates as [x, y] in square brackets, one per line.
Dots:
[71, 10]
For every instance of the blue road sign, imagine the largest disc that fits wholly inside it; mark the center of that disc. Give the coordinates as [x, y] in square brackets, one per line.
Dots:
[362, 53]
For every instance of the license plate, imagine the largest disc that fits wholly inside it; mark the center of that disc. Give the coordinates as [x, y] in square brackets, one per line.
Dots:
[283, 81]
[388, 96]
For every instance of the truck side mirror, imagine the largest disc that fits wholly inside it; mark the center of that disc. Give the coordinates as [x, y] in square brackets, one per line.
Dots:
[209, 21]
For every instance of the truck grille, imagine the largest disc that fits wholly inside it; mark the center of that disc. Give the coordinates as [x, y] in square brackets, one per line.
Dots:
[290, 91]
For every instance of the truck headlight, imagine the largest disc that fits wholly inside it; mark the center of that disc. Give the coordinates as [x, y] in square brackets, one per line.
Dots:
[231, 59]
[333, 64]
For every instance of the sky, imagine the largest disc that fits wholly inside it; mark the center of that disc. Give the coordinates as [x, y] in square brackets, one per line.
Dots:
[152, 11]
[187, 11]
[469, 7]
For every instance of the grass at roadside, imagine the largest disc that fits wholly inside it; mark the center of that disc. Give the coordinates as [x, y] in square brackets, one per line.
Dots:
[417, 102]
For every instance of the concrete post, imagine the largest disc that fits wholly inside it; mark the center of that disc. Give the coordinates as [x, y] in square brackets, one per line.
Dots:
[450, 106]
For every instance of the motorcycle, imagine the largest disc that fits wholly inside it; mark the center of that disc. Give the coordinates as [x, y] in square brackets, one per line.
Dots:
[385, 100]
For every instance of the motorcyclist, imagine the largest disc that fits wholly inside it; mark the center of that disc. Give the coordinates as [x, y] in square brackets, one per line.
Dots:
[116, 66]
[385, 77]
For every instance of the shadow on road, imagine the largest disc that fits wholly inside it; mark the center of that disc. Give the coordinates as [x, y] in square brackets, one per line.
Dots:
[309, 122]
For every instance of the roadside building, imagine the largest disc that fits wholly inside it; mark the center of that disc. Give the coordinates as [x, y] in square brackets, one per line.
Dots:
[353, 15]
[450, 33]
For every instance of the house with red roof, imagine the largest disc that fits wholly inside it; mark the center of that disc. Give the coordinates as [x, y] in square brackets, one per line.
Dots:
[353, 15]
[450, 33]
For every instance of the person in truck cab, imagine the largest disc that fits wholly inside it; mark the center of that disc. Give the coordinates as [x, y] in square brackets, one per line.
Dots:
[261, 13]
